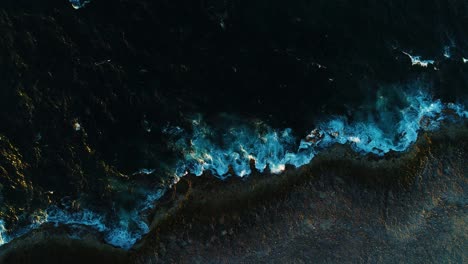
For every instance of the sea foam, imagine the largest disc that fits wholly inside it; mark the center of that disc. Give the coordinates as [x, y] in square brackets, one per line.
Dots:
[229, 151]
[233, 149]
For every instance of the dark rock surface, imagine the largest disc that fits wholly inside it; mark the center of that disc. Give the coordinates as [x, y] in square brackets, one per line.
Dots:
[409, 208]
[84, 93]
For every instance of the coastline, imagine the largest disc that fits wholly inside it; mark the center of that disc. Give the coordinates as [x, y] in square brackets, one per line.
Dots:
[199, 202]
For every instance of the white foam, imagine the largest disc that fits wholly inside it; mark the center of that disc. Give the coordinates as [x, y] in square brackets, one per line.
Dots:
[77, 4]
[84, 217]
[277, 148]
[416, 60]
[3, 233]
[447, 53]
[144, 171]
[123, 234]
[122, 230]
[235, 148]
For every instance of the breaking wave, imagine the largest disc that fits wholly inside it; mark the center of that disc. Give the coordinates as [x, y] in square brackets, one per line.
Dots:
[232, 150]
[227, 151]
[77, 4]
[124, 233]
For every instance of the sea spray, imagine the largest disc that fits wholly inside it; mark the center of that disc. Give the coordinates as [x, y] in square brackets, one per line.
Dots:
[235, 147]
[77, 4]
[227, 150]
[122, 229]
[3, 233]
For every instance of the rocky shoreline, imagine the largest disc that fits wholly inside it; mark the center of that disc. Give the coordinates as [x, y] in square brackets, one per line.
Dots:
[203, 215]
[86, 95]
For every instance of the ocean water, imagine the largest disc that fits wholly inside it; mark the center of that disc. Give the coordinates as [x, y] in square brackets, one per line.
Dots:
[384, 131]
[244, 81]
[222, 150]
